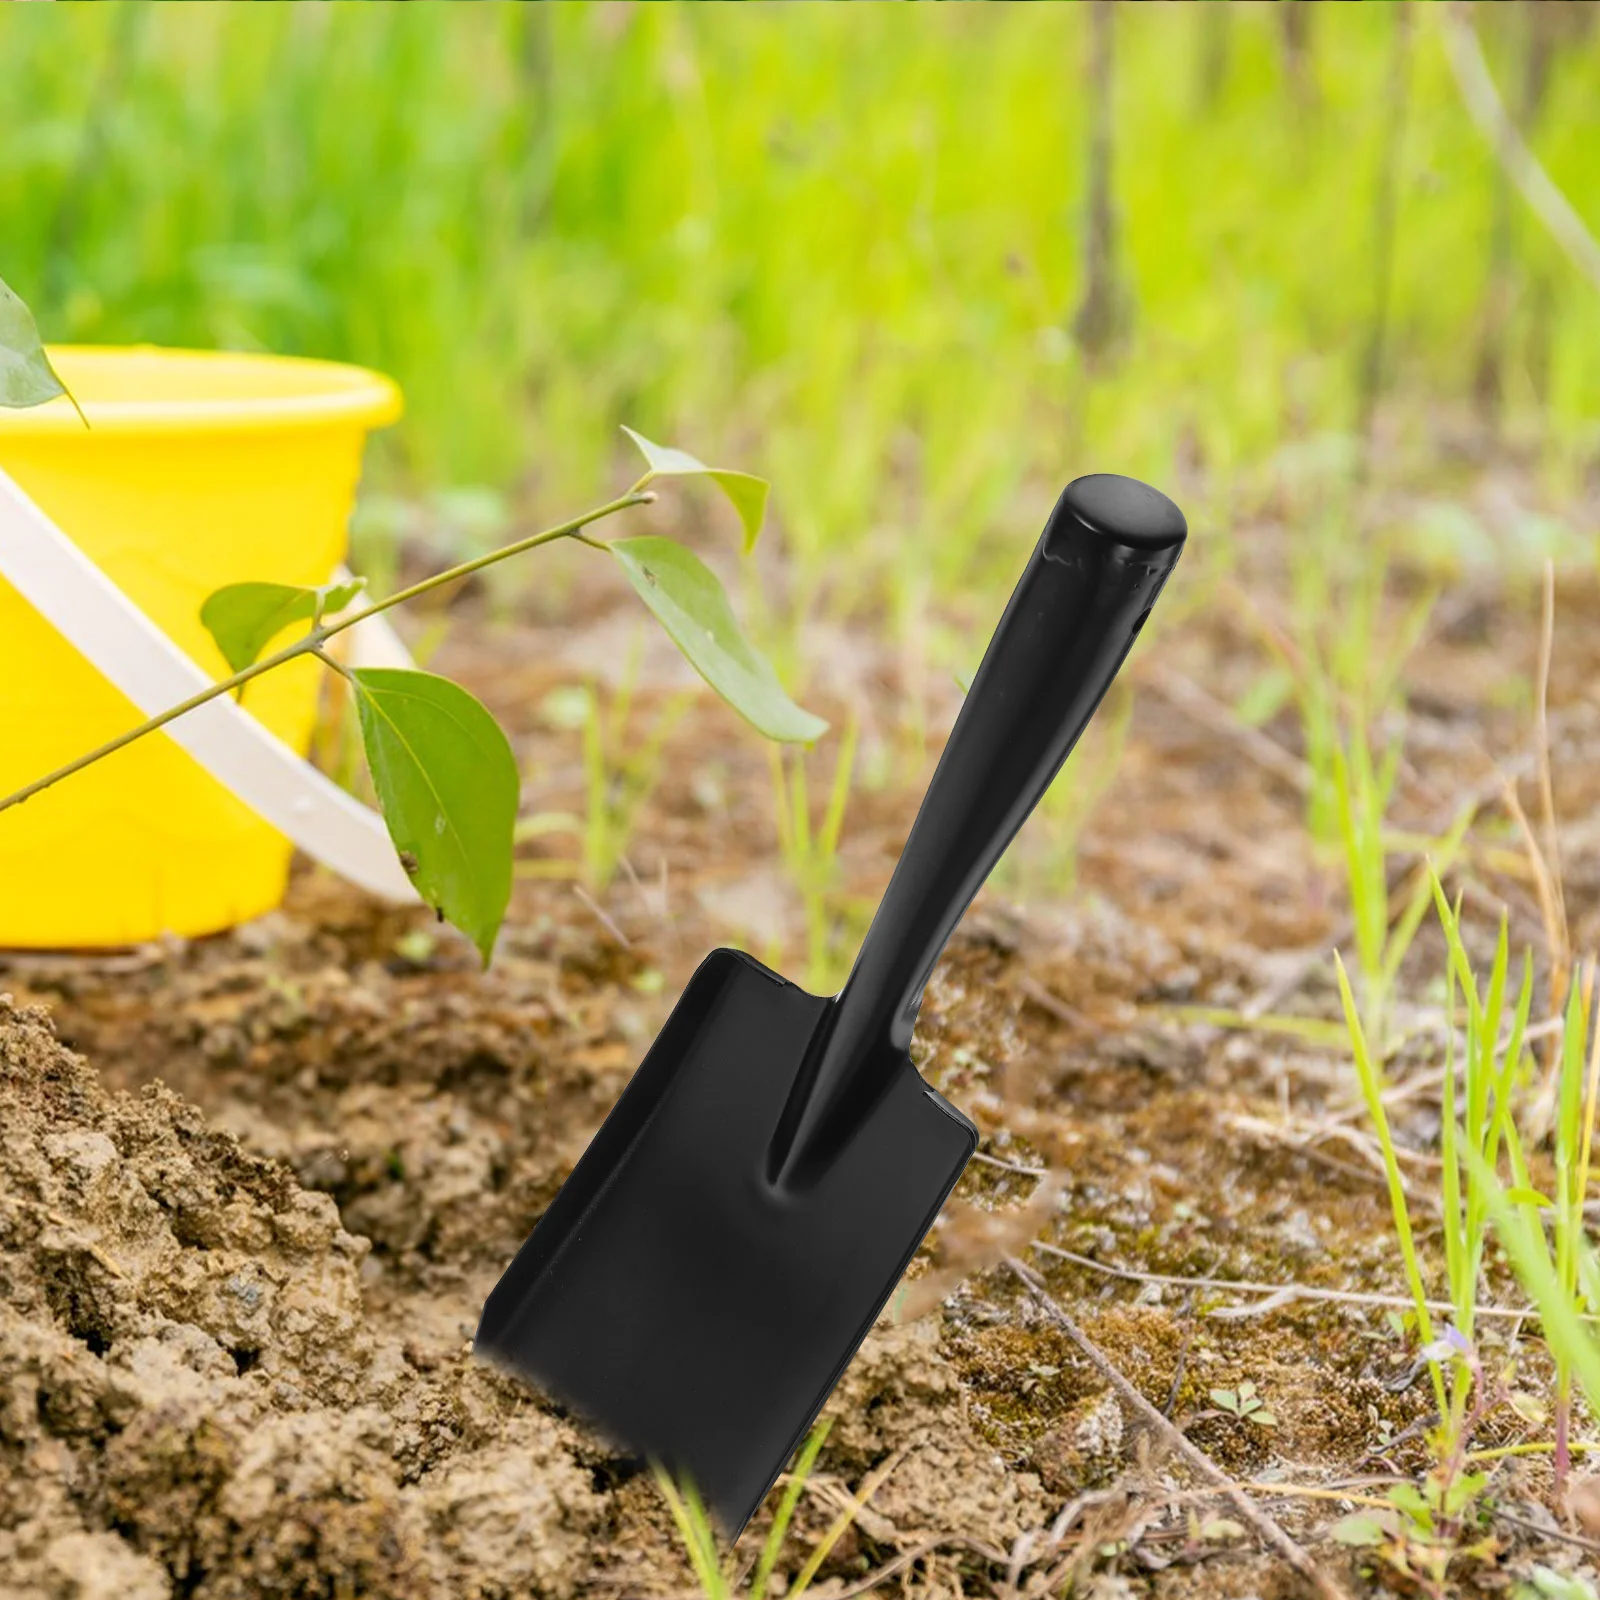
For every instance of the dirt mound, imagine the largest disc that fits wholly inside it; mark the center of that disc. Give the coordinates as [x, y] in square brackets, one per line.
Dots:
[194, 1402]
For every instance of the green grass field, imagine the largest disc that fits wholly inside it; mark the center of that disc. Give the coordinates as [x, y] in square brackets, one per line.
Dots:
[843, 246]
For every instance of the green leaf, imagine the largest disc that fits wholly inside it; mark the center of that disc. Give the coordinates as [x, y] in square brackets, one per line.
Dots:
[1360, 1529]
[1265, 698]
[694, 1529]
[693, 607]
[1410, 1501]
[1548, 1584]
[448, 786]
[244, 618]
[746, 492]
[1524, 1241]
[1461, 1491]
[26, 376]
[772, 1546]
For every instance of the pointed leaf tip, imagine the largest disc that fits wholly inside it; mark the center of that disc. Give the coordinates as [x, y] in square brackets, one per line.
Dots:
[448, 786]
[692, 606]
[26, 376]
[745, 491]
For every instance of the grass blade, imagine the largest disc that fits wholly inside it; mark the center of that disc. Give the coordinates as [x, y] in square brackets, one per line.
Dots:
[1372, 1088]
[837, 1528]
[773, 1546]
[1524, 1243]
[694, 1529]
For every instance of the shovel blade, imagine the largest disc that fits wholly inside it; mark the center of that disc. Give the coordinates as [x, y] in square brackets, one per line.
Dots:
[672, 1295]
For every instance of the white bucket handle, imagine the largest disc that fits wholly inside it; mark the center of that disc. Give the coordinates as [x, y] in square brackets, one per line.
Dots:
[116, 637]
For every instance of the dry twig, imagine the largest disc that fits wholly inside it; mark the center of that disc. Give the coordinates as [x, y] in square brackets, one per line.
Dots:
[603, 916]
[1187, 695]
[1269, 1532]
[1282, 1293]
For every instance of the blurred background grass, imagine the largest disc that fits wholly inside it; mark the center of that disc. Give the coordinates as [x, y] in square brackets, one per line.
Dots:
[859, 249]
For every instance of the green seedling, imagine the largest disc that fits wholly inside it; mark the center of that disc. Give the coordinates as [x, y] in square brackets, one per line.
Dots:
[1383, 932]
[1475, 1096]
[810, 853]
[1340, 661]
[1480, 1137]
[1373, 1085]
[719, 1577]
[444, 774]
[1561, 1272]
[1477, 1088]
[1422, 1531]
[1244, 1404]
[1477, 1092]
[1545, 1583]
[1203, 1531]
[619, 777]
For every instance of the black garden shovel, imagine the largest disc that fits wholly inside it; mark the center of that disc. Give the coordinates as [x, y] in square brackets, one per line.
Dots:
[701, 1281]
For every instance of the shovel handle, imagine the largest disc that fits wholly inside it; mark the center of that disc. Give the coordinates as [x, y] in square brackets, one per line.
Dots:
[1106, 551]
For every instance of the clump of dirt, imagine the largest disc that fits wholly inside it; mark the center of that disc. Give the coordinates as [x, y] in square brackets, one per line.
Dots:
[904, 1398]
[194, 1400]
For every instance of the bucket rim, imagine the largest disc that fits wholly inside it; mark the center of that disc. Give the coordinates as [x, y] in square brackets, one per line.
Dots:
[332, 392]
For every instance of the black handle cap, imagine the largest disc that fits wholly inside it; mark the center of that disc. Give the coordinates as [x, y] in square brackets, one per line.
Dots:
[1121, 510]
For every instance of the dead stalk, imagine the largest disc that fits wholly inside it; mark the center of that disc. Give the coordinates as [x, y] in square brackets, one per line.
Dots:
[1269, 1532]
[1281, 1293]
[1543, 850]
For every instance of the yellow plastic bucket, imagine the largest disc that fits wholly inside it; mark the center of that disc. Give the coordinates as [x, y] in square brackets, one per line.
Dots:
[198, 469]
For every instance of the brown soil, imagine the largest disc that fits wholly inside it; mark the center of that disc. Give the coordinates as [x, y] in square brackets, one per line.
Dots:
[244, 1236]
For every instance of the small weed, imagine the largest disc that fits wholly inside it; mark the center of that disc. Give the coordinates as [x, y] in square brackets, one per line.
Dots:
[1245, 1404]
[1425, 1528]
[1545, 1583]
[1340, 661]
[810, 855]
[719, 1576]
[618, 777]
[1561, 1273]
[1213, 1530]
[1383, 932]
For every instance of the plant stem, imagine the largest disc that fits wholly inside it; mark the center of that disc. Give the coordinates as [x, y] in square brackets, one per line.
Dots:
[1535, 1447]
[312, 643]
[1561, 1463]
